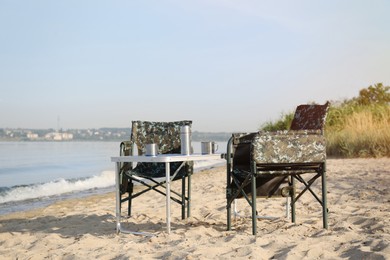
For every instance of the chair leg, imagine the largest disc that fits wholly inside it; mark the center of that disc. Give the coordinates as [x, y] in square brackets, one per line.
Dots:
[229, 217]
[228, 206]
[129, 207]
[235, 212]
[189, 195]
[130, 192]
[254, 213]
[324, 200]
[293, 199]
[288, 207]
[229, 201]
[183, 197]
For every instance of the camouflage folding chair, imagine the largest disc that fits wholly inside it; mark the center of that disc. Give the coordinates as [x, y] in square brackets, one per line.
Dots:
[151, 176]
[267, 164]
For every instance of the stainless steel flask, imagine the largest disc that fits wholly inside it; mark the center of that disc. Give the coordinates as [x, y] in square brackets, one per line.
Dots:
[185, 138]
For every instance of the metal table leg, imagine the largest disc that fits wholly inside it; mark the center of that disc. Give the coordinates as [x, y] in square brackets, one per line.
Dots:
[168, 196]
[118, 206]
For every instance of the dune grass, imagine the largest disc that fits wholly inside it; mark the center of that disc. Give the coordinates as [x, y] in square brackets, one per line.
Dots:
[358, 131]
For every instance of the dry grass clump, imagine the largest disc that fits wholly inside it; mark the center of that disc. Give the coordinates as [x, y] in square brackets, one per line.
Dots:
[359, 131]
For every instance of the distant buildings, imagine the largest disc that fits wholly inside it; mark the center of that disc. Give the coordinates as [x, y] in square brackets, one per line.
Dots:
[56, 136]
[32, 136]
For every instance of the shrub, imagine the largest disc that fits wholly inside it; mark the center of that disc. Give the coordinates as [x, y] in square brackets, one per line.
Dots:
[282, 124]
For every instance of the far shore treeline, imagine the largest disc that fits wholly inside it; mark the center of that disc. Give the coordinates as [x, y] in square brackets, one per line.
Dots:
[356, 127]
[109, 134]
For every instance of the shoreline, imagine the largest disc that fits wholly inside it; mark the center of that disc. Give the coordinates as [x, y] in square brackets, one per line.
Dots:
[84, 228]
[38, 203]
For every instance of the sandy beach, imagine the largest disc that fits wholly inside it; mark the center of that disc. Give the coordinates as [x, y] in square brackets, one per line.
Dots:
[359, 223]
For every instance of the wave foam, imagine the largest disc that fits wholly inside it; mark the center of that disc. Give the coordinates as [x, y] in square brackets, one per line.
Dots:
[104, 180]
[62, 186]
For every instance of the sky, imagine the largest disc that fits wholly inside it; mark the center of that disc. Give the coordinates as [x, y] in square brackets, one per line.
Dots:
[227, 65]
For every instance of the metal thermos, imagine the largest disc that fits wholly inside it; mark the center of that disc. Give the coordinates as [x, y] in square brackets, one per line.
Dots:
[185, 137]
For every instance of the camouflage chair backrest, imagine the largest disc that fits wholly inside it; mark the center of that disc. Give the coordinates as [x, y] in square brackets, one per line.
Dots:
[310, 117]
[165, 134]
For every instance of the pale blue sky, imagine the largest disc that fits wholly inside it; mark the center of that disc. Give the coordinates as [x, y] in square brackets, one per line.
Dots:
[227, 65]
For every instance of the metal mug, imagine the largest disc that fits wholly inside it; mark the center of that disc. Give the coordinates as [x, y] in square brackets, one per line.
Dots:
[151, 149]
[209, 147]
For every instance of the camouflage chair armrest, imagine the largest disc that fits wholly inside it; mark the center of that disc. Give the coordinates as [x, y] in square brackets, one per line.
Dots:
[294, 146]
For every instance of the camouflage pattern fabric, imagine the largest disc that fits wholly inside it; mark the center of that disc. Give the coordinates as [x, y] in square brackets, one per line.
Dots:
[310, 117]
[165, 134]
[301, 146]
[167, 137]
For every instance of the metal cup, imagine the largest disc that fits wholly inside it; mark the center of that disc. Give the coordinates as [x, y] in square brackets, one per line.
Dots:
[151, 149]
[209, 147]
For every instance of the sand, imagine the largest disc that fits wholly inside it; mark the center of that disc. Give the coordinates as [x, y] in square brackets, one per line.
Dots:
[359, 223]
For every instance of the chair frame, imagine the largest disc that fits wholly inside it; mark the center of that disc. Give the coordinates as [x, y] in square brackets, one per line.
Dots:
[293, 171]
[182, 198]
